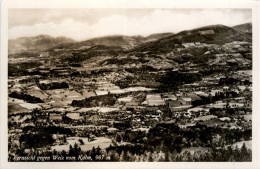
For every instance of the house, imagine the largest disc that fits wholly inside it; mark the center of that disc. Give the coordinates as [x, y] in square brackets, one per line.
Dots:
[56, 117]
[198, 109]
[236, 46]
[235, 90]
[240, 99]
[232, 61]
[241, 88]
[201, 93]
[112, 130]
[242, 49]
[168, 97]
[117, 91]
[193, 97]
[100, 92]
[207, 52]
[146, 130]
[185, 101]
[176, 105]
[211, 123]
[225, 87]
[213, 92]
[224, 119]
[205, 118]
[184, 126]
[154, 100]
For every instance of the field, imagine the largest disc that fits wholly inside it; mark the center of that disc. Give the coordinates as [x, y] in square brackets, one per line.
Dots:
[15, 108]
[102, 142]
[240, 144]
[248, 117]
[134, 89]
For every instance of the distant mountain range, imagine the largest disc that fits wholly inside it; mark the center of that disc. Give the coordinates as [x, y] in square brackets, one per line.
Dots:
[155, 43]
[43, 42]
[124, 42]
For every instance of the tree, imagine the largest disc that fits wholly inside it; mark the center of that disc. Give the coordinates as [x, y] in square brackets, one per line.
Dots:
[118, 137]
[129, 156]
[167, 157]
[245, 153]
[149, 156]
[64, 154]
[116, 157]
[122, 156]
[81, 142]
[98, 151]
[75, 150]
[93, 153]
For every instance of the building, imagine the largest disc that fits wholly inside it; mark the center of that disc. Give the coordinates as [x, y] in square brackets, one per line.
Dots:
[176, 105]
[185, 101]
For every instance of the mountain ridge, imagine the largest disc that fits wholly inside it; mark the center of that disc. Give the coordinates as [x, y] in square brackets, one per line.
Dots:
[209, 34]
[155, 43]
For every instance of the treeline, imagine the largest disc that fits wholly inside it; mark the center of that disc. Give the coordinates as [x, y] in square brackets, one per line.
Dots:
[212, 99]
[120, 61]
[95, 51]
[164, 142]
[19, 69]
[200, 59]
[41, 136]
[160, 46]
[103, 100]
[48, 129]
[231, 81]
[126, 82]
[135, 153]
[130, 153]
[209, 70]
[53, 85]
[169, 137]
[144, 68]
[25, 97]
[140, 75]
[227, 112]
[173, 80]
[172, 137]
[194, 55]
[26, 54]
[36, 140]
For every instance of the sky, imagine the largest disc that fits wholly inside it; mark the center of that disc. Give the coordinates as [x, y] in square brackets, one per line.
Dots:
[83, 24]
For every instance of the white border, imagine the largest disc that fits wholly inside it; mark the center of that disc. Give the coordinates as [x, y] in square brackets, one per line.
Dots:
[6, 4]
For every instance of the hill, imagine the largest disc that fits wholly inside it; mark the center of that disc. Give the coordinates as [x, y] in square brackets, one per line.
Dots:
[217, 34]
[156, 36]
[153, 49]
[246, 28]
[35, 43]
[121, 41]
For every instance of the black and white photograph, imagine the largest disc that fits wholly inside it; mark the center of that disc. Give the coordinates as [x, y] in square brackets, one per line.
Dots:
[130, 85]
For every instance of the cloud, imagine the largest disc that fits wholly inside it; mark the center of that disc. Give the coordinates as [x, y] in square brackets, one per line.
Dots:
[154, 21]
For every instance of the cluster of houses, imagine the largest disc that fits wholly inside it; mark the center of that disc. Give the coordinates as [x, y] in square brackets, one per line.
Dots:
[180, 103]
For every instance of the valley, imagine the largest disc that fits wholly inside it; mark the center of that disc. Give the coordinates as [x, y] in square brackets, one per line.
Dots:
[183, 96]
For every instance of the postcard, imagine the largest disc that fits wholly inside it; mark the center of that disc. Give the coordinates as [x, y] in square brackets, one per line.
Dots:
[134, 84]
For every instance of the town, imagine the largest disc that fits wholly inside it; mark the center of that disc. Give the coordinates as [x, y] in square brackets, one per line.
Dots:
[189, 102]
